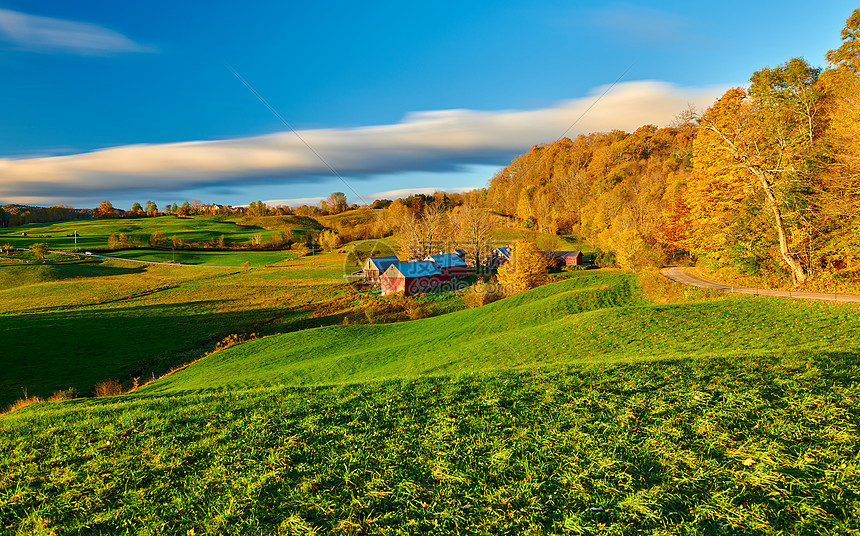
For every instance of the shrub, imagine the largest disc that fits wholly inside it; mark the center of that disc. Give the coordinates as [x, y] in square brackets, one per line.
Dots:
[107, 388]
[482, 294]
[68, 394]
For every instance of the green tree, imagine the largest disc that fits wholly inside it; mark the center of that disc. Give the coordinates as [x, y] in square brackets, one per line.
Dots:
[136, 209]
[40, 249]
[151, 208]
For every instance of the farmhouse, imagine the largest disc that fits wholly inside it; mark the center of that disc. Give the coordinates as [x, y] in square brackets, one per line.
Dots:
[376, 266]
[460, 253]
[568, 258]
[498, 257]
[411, 277]
[450, 264]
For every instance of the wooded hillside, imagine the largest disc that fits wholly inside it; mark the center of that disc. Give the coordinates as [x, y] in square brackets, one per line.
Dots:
[766, 182]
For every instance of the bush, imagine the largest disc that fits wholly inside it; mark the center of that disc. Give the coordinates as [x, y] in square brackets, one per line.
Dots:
[107, 388]
[482, 294]
[68, 394]
[604, 259]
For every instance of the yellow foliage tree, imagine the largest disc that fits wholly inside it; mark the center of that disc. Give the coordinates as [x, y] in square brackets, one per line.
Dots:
[526, 269]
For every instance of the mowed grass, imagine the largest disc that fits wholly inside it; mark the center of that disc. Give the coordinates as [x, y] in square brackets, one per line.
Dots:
[94, 234]
[591, 317]
[710, 446]
[209, 258]
[73, 325]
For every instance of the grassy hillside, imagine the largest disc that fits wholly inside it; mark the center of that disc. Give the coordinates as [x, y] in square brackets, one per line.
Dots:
[594, 317]
[577, 408]
[93, 234]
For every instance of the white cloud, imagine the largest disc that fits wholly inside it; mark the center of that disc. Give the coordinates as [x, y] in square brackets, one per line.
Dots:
[44, 33]
[441, 140]
[295, 202]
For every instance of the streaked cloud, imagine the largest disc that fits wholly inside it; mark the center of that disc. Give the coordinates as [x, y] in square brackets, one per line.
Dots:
[627, 21]
[34, 32]
[443, 140]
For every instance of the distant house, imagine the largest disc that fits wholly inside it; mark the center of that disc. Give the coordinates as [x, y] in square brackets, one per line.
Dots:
[450, 264]
[568, 258]
[376, 266]
[411, 277]
[498, 257]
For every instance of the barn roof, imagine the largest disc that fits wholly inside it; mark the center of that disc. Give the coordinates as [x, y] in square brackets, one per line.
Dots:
[447, 260]
[567, 253]
[382, 263]
[415, 269]
[505, 252]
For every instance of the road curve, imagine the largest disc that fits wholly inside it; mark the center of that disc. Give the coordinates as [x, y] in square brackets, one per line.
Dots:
[680, 274]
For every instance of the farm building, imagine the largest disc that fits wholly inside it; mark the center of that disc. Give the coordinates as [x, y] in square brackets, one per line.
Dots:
[498, 257]
[460, 253]
[376, 266]
[568, 258]
[450, 264]
[411, 277]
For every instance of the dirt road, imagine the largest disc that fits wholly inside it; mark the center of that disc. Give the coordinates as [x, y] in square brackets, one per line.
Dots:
[681, 274]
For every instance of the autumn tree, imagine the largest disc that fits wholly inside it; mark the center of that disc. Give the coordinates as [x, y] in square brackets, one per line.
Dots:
[105, 210]
[526, 269]
[765, 145]
[336, 202]
[151, 208]
[136, 209]
[474, 233]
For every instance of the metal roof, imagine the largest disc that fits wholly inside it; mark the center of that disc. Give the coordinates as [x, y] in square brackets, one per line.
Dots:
[416, 269]
[382, 263]
[447, 260]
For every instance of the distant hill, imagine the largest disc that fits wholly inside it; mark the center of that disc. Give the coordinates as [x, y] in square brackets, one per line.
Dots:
[13, 215]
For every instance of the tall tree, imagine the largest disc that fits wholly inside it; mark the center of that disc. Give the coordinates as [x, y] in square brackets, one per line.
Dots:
[474, 233]
[768, 143]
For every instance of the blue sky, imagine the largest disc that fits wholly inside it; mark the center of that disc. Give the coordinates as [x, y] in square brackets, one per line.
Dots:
[135, 101]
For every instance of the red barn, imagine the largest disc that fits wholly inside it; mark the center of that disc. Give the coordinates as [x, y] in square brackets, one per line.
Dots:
[411, 278]
[568, 258]
[450, 264]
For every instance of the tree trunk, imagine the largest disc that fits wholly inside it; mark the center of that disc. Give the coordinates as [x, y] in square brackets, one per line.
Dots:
[796, 268]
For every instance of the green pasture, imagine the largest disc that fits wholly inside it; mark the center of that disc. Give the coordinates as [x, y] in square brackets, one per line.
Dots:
[590, 318]
[94, 234]
[208, 258]
[503, 236]
[580, 407]
[756, 445]
[75, 324]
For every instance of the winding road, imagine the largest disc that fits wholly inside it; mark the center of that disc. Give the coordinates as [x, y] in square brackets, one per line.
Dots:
[681, 274]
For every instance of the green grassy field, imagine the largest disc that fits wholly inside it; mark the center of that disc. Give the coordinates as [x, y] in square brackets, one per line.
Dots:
[577, 408]
[208, 258]
[94, 234]
[75, 324]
